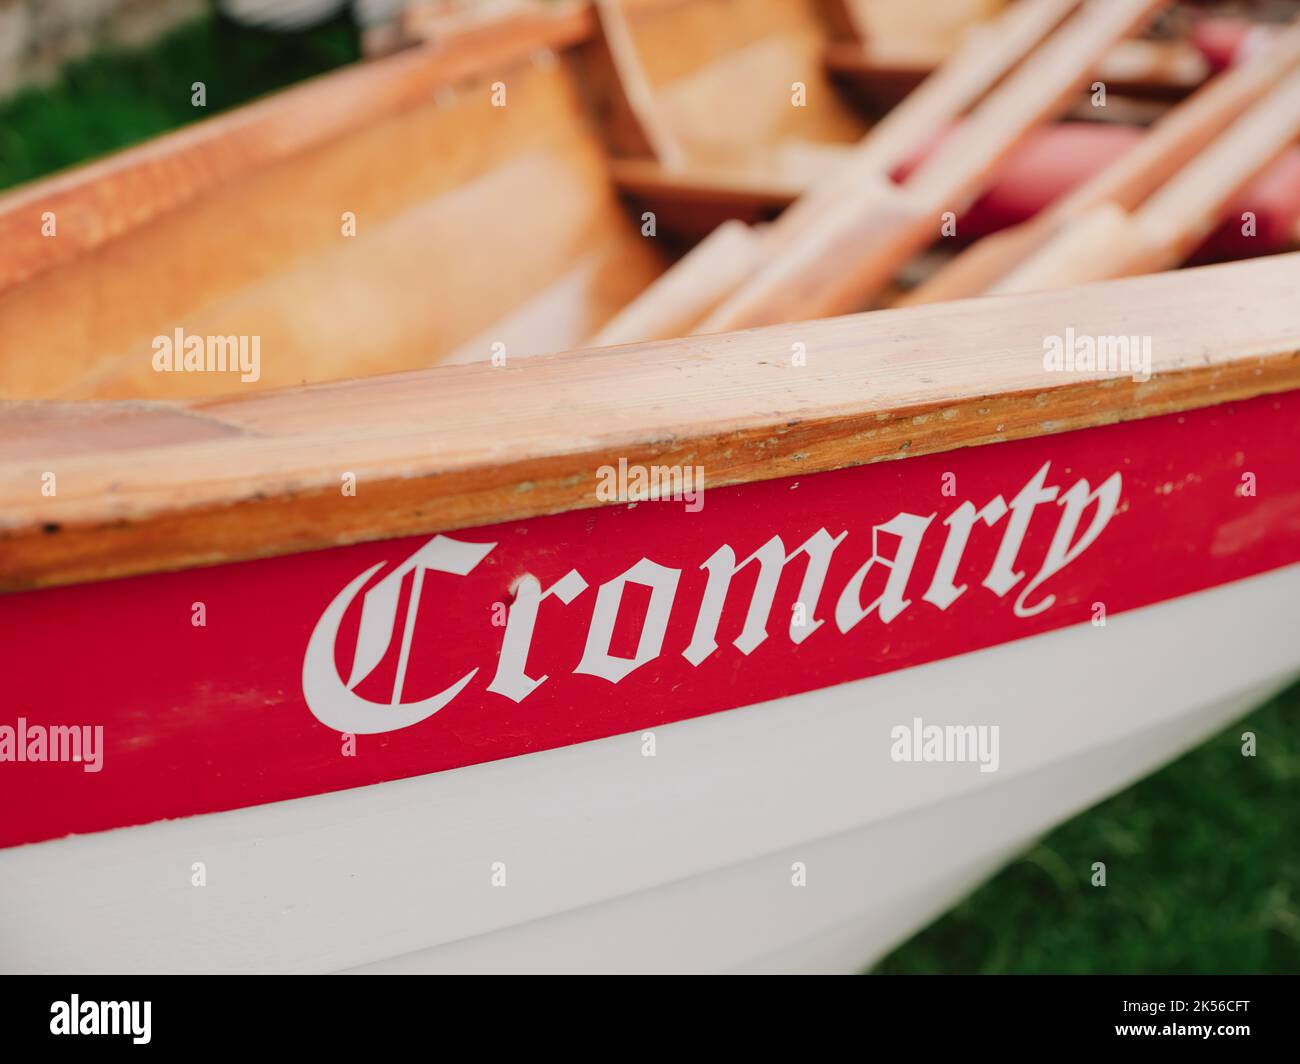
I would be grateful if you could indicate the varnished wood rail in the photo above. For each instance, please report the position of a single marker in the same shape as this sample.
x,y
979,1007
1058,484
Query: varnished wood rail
x,y
153,486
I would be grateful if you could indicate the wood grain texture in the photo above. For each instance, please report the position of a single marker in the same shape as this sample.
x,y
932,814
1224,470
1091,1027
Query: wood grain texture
x,y
714,80
100,201
143,487
445,192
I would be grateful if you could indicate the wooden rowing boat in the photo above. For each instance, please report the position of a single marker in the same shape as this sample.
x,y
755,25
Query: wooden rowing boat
x,y
626,658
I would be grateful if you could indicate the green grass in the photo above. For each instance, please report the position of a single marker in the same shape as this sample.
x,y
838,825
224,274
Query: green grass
x,y
120,97
1203,859
1202,871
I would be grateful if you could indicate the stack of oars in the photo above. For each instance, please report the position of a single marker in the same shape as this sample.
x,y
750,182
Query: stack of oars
x,y
839,247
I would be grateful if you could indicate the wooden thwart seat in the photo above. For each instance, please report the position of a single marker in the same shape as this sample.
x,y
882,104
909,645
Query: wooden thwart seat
x,y
765,180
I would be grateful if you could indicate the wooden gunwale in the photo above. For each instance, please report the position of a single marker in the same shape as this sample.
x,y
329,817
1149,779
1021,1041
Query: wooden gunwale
x,y
156,486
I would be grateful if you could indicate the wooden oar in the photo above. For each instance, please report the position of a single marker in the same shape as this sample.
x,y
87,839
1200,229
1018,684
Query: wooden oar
x,y
682,295
704,277
986,56
849,251
1170,144
1109,241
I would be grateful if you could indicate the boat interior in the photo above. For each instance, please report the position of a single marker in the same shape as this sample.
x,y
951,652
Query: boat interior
x,y
499,186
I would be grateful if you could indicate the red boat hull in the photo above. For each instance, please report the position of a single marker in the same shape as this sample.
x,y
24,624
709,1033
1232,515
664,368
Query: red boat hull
x,y
198,719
